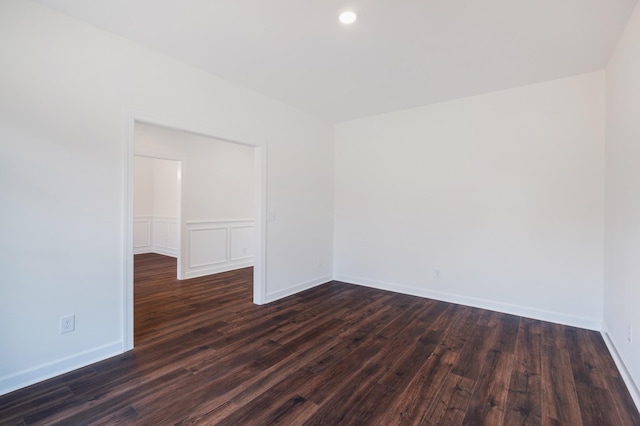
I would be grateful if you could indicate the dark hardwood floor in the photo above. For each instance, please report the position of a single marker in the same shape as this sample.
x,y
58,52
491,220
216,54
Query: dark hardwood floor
x,y
335,354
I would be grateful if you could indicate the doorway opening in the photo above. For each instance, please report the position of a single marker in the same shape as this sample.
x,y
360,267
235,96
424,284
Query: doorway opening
x,y
157,207
209,236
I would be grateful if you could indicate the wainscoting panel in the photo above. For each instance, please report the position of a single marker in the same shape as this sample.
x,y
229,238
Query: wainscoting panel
x,y
142,235
155,235
207,247
165,236
217,246
241,243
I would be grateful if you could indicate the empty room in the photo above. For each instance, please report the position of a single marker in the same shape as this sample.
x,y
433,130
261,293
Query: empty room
x,y
436,219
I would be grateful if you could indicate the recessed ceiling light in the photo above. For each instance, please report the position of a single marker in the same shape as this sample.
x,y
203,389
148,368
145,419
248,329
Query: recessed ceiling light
x,y
348,17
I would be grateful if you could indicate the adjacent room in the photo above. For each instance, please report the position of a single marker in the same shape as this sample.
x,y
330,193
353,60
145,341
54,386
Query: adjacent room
x,y
336,212
205,183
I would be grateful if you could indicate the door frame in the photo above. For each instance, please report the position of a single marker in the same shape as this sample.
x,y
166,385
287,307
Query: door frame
x,y
260,206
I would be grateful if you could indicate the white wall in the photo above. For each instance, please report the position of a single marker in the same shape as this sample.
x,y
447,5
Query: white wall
x,y
165,207
165,188
502,193
217,197
622,226
217,176
66,88
143,188
155,207
143,205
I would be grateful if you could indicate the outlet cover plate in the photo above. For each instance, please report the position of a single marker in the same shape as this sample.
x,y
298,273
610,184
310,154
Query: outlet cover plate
x,y
67,324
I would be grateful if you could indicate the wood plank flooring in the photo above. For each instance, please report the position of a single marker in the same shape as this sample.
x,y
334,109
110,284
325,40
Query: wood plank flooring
x,y
335,354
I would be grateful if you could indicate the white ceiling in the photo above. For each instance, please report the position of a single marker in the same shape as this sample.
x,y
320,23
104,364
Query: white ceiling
x,y
399,53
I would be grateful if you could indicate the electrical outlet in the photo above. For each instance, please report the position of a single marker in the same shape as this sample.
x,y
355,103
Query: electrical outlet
x,y
630,334
437,274
67,324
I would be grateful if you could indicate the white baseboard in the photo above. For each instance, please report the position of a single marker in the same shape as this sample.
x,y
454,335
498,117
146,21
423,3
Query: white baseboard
x,y
217,269
622,367
165,251
162,251
523,311
289,291
46,371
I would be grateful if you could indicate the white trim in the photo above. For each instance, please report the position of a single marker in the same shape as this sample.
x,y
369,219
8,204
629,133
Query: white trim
x,y
128,149
215,262
51,369
260,226
158,155
148,247
290,291
163,251
144,250
622,368
247,258
216,221
166,249
152,245
224,263
523,311
230,241
237,136
168,219
220,224
201,272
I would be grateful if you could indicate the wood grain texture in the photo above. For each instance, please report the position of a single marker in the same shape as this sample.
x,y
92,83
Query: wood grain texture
x,y
335,354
